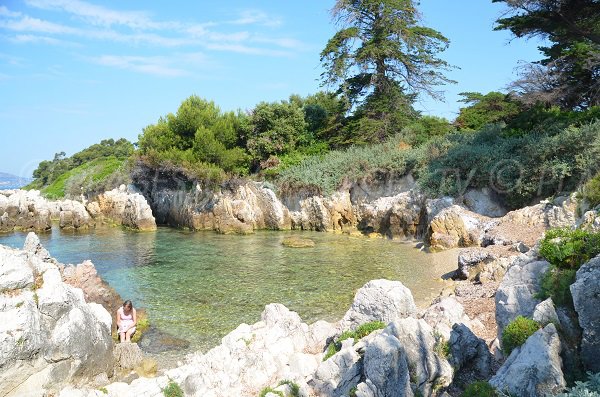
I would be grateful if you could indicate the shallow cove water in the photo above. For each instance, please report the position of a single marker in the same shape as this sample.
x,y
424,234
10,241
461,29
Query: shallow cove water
x,y
201,285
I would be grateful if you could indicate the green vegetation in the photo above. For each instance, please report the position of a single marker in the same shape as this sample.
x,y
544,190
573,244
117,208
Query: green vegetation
x,y
268,390
352,392
483,110
555,284
479,389
569,249
591,191
517,332
294,388
172,390
589,388
441,346
103,390
360,332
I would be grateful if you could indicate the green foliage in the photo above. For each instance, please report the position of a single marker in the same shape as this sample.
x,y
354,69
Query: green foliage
x,y
268,390
490,108
172,390
569,249
48,172
517,332
352,392
294,388
479,389
357,334
555,284
103,390
589,388
277,128
591,191
328,171
441,346
93,177
425,128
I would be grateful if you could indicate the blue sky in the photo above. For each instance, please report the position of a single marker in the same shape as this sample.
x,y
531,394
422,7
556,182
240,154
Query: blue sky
x,y
73,72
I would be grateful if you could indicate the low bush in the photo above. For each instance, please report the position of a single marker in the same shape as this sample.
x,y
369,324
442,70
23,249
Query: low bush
x,y
517,332
555,284
479,389
294,388
589,388
569,249
360,332
591,191
172,390
268,390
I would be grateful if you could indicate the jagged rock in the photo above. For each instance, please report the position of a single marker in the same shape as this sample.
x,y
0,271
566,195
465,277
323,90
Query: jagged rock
x,y
49,335
33,245
24,210
427,369
467,350
586,298
516,294
325,213
73,215
85,277
471,261
318,334
561,212
545,313
481,202
441,316
337,375
380,300
455,227
533,369
385,369
589,221
125,208
127,355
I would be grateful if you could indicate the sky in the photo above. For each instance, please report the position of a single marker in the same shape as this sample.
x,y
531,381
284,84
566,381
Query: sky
x,y
74,72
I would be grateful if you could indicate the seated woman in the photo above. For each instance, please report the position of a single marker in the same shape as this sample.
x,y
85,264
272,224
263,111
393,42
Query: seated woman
x,y
126,321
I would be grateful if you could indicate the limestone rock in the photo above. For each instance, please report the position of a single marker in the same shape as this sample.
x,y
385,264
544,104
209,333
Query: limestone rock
x,y
336,376
125,208
24,210
441,316
586,298
516,294
326,213
455,227
471,261
380,300
427,369
386,368
467,350
545,313
533,369
481,202
49,335
127,355
73,215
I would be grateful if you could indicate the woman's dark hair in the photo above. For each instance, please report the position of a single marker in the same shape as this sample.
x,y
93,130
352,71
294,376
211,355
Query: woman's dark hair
x,y
127,303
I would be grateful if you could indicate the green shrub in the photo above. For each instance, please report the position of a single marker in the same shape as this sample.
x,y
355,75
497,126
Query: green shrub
x,y
479,389
555,284
360,332
294,388
591,191
517,332
268,390
569,249
589,388
172,390
442,346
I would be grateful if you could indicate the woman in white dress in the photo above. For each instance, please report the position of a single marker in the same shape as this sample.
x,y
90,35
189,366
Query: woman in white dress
x,y
126,321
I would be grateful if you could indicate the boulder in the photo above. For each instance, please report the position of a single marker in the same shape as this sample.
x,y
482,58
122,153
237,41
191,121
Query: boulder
x,y
428,370
380,300
454,227
385,369
73,215
469,351
442,315
127,356
533,369
471,261
24,210
125,208
336,376
49,335
586,298
516,294
545,313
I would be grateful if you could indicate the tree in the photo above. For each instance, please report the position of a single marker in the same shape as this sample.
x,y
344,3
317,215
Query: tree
x,y
569,73
486,109
382,58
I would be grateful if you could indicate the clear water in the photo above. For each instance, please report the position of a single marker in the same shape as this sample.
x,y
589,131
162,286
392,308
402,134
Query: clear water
x,y
201,285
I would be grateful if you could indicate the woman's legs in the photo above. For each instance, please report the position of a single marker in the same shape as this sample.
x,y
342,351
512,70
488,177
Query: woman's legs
x,y
122,337
128,334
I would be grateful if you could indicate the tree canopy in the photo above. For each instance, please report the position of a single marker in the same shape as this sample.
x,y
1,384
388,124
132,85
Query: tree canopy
x,y
569,73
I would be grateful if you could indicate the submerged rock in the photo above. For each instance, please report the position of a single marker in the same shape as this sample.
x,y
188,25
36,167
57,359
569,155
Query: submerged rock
x,y
156,341
297,242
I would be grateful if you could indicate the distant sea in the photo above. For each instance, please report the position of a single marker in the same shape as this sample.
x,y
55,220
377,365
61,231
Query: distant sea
x,y
9,181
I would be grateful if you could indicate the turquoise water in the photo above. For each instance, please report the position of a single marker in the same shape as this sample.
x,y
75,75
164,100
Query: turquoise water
x,y
201,285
